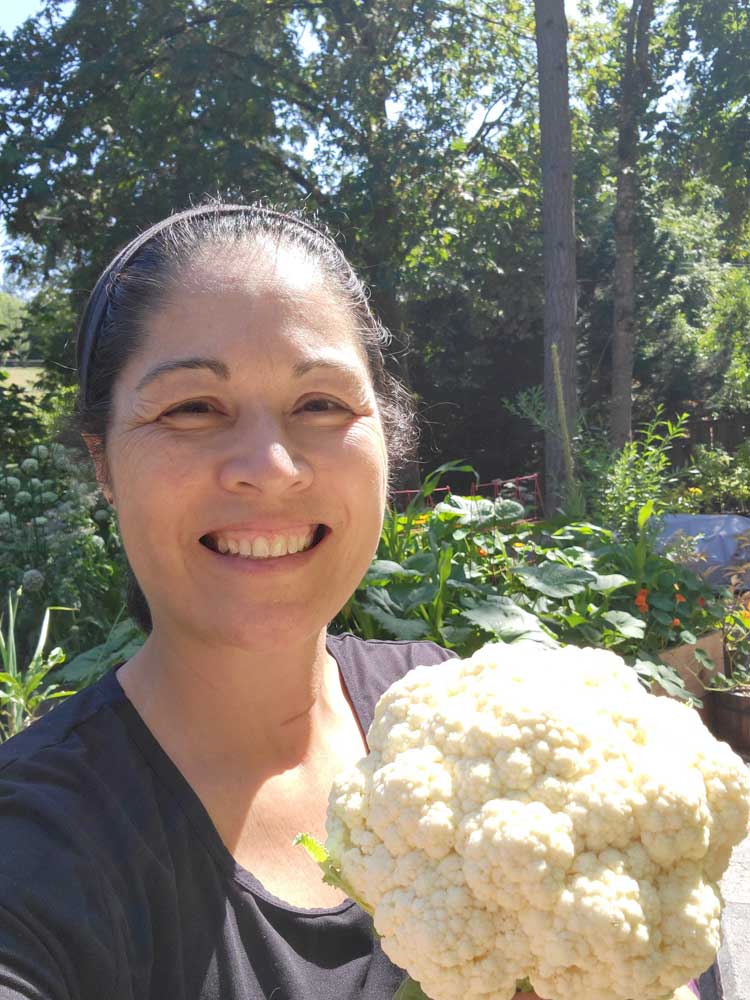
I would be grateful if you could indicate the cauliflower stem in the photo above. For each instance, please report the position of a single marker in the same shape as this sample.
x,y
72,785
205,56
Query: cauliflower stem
x,y
410,988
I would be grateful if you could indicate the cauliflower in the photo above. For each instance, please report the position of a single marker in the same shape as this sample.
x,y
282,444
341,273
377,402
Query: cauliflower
x,y
534,814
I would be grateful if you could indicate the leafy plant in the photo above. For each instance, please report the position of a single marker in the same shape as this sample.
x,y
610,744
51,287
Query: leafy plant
x,y
640,474
60,543
21,691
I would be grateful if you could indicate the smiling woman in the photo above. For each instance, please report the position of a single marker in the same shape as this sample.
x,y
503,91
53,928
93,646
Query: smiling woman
x,y
234,399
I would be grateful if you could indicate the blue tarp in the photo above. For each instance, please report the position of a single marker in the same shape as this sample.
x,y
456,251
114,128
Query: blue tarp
x,y
722,543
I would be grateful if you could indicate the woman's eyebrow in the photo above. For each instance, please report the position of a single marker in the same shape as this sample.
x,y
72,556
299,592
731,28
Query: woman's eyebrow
x,y
212,364
332,364
221,370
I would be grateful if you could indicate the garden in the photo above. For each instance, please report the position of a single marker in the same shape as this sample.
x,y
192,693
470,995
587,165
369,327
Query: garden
x,y
458,568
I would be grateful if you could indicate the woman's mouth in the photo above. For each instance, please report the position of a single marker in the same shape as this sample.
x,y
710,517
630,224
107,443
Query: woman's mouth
x,y
258,544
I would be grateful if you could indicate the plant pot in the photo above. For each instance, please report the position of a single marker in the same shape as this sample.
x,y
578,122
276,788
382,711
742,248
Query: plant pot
x,y
731,718
694,675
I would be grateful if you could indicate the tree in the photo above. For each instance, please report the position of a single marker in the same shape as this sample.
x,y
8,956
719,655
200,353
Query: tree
x,y
635,81
374,122
709,132
13,337
558,225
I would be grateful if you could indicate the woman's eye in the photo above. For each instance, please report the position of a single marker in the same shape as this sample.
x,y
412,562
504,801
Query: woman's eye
x,y
323,405
191,407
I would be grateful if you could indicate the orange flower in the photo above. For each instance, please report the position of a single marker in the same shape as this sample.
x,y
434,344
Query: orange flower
x,y
679,598
481,551
676,623
701,602
640,600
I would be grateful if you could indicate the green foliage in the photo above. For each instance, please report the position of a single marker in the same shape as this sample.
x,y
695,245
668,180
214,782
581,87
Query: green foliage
x,y
60,544
20,420
122,642
720,481
13,344
428,581
21,692
727,342
642,473
471,570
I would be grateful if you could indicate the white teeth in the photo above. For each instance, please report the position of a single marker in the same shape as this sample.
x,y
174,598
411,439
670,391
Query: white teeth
x,y
279,547
264,548
260,548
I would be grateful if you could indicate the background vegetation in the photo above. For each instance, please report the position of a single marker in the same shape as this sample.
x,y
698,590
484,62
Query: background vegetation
x,y
412,129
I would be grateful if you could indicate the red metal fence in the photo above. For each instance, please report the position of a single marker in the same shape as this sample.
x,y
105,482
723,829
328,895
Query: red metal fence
x,y
524,489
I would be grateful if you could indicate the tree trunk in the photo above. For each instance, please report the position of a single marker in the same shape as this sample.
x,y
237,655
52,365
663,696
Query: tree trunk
x,y
635,80
558,226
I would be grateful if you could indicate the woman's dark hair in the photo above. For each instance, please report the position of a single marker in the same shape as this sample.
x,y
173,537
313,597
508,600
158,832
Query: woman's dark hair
x,y
137,281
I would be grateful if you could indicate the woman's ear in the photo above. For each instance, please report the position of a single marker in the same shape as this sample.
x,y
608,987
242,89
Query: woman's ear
x,y
95,445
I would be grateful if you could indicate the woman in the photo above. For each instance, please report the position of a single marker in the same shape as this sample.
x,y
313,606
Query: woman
x,y
233,397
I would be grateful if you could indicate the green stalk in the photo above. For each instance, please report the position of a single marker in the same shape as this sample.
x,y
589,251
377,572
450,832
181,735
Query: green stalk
x,y
409,988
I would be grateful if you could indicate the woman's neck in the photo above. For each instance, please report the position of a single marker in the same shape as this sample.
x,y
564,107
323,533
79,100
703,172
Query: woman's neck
x,y
262,711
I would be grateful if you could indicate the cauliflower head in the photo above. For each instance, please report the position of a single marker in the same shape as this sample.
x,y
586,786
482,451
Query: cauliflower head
x,y
536,813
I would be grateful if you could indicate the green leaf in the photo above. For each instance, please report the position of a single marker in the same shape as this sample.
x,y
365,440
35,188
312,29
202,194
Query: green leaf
x,y
410,990
687,636
423,563
627,625
331,870
555,580
645,513
124,641
384,569
314,848
703,658
503,618
607,583
399,628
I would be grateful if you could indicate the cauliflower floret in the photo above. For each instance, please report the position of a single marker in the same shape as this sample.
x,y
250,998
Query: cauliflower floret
x,y
536,813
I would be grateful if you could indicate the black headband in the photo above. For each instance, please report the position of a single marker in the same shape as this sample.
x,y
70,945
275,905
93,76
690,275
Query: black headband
x,y
98,302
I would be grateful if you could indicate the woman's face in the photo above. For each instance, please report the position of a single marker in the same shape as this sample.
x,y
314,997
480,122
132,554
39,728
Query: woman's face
x,y
246,457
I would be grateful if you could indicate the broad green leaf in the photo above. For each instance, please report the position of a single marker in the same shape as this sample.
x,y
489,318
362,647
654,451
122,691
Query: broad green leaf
x,y
627,625
422,562
384,569
555,580
124,641
399,628
503,618
667,677
609,582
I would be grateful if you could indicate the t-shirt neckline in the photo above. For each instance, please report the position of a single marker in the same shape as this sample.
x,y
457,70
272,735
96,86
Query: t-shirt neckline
x,y
191,805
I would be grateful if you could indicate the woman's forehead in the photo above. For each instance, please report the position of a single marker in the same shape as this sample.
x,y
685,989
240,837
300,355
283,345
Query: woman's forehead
x,y
238,315
265,264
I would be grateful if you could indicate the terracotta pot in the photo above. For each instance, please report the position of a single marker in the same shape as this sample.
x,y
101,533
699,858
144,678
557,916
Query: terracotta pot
x,y
694,675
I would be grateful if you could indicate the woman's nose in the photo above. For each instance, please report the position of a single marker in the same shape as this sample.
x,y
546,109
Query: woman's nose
x,y
262,457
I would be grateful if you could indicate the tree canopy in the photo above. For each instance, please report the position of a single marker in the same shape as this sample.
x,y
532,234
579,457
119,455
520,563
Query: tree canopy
x,y
410,128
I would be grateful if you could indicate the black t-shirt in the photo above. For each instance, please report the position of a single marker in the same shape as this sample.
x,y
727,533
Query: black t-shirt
x,y
115,884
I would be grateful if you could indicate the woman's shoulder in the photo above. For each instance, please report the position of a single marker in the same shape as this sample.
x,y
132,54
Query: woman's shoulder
x,y
370,666
63,782
63,732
